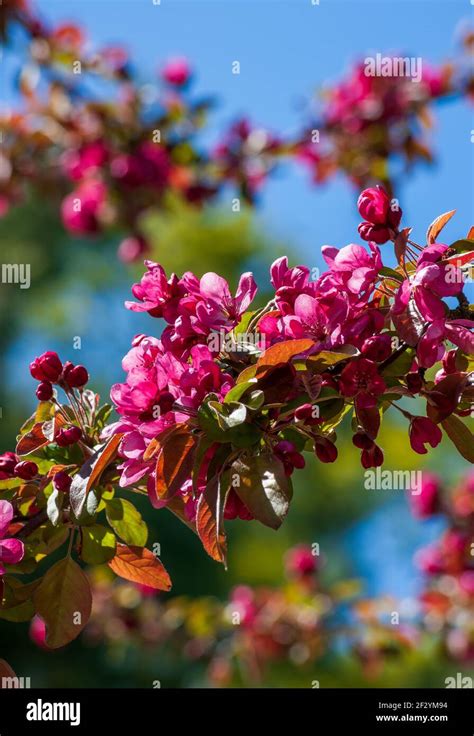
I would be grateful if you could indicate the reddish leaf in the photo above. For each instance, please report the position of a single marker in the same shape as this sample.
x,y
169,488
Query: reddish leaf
x,y
174,464
210,519
90,473
106,455
277,382
140,565
41,434
401,242
437,225
283,352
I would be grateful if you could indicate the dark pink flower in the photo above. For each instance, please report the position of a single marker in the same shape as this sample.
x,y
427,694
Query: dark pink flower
x,y
382,218
300,561
47,367
85,160
424,432
360,379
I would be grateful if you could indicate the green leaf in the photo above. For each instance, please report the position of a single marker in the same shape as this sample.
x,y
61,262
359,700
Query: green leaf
x,y
126,521
401,365
390,273
326,358
460,435
237,391
262,485
98,544
64,601
229,415
463,246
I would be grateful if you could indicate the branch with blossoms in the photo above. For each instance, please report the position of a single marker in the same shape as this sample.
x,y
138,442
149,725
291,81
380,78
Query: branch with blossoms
x,y
108,160
215,415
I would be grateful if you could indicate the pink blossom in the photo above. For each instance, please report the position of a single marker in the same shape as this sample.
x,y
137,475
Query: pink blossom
x,y
300,561
77,163
458,331
81,210
11,550
218,308
432,280
177,72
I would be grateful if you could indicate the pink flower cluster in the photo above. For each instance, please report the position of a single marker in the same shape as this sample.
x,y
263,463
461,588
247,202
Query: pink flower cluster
x,y
350,310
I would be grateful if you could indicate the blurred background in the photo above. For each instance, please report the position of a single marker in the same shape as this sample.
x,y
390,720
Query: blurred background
x,y
287,50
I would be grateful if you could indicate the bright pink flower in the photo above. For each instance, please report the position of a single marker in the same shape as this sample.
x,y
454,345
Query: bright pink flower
x,y
353,267
360,379
425,504
423,431
458,331
81,210
300,561
219,309
177,72
38,632
132,249
159,296
432,280
242,600
11,550
84,160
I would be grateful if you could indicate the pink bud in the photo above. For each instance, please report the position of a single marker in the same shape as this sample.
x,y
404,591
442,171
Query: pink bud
x,y
44,391
26,470
47,367
62,481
